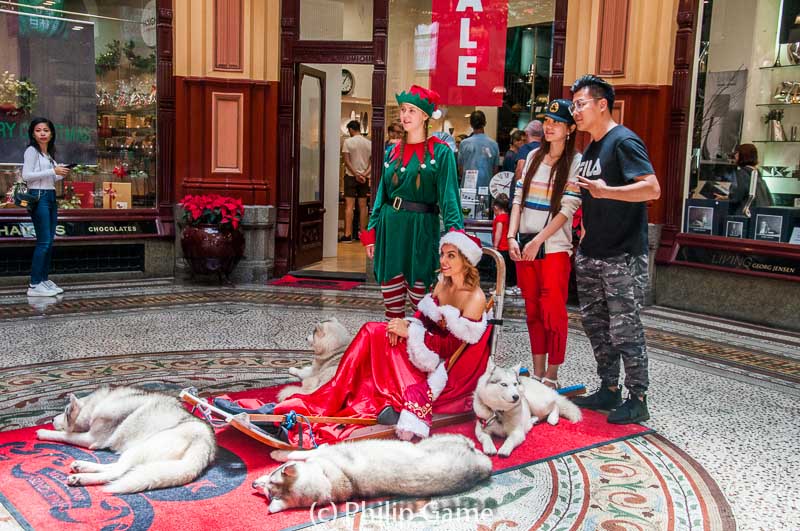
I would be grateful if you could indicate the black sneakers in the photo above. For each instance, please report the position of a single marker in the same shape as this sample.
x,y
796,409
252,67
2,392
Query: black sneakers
x,y
345,239
603,398
633,410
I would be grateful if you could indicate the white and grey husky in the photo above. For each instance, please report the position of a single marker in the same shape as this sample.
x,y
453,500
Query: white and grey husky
x,y
159,442
442,464
329,340
508,405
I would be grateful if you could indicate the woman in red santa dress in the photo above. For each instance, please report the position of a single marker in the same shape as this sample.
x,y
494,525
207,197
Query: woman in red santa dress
x,y
398,371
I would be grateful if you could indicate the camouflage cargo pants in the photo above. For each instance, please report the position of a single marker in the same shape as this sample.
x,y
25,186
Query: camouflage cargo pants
x,y
611,292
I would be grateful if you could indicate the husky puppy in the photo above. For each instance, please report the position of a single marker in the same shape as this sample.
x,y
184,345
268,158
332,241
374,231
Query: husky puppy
x,y
159,442
329,340
442,464
508,405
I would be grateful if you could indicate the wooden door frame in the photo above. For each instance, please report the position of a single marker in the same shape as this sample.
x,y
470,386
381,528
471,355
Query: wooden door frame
x,y
316,207
295,51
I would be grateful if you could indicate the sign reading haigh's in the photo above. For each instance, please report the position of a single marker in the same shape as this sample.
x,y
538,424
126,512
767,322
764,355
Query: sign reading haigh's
x,y
471,51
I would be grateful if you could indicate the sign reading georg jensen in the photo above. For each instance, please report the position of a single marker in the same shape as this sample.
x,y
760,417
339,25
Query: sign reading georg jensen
x,y
66,229
742,261
470,52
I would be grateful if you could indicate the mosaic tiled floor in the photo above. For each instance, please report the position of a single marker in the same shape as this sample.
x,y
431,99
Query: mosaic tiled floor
x,y
724,393
643,484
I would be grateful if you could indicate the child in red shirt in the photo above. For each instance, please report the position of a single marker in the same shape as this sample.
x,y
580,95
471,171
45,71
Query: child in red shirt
x,y
500,241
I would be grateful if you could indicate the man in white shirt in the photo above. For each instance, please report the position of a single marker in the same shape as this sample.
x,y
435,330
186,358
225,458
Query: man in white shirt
x,y
357,154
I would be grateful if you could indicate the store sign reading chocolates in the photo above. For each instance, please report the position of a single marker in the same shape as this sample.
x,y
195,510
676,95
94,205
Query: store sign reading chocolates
x,y
470,52
67,229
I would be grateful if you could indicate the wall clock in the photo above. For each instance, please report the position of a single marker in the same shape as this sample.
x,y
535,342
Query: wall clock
x,y
348,83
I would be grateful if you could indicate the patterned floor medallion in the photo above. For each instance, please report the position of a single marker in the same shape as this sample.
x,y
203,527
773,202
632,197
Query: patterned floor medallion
x,y
33,394
640,484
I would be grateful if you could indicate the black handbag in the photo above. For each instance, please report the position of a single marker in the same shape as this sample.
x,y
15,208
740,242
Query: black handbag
x,y
525,238
23,198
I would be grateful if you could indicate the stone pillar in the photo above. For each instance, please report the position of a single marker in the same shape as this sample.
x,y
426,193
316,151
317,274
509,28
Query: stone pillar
x,y
653,241
258,226
257,265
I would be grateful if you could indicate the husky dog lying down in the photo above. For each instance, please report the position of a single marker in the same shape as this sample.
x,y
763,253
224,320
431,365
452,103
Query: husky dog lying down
x,y
442,464
508,405
159,442
329,340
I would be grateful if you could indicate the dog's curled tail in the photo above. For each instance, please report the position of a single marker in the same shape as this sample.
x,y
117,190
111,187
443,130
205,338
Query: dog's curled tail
x,y
167,473
568,410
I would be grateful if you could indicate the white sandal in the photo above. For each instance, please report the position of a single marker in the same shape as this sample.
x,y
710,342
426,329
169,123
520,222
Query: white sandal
x,y
546,381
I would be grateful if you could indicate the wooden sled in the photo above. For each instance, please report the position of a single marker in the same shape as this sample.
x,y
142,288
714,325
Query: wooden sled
x,y
247,423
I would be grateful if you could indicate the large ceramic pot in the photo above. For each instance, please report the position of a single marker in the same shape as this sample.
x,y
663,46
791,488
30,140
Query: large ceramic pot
x,y
209,249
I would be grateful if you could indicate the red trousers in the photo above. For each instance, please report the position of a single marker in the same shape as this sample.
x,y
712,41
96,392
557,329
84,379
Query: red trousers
x,y
545,286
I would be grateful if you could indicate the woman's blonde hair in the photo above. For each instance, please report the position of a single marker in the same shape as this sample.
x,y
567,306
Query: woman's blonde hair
x,y
471,276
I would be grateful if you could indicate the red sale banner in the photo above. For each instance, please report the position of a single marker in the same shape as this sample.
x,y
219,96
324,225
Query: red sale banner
x,y
471,51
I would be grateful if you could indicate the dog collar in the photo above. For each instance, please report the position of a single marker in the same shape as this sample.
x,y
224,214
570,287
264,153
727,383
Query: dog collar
x,y
485,423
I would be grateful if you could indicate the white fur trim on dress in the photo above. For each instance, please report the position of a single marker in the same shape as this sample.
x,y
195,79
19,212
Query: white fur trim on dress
x,y
437,380
461,327
410,422
429,308
419,354
464,244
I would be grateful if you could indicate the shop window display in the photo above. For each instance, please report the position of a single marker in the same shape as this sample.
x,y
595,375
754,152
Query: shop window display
x,y
515,41
90,68
744,179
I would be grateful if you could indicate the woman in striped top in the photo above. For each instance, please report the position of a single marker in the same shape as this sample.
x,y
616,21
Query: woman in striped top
x,y
544,204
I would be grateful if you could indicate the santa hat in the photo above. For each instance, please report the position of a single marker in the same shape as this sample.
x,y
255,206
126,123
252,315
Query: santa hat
x,y
424,99
470,246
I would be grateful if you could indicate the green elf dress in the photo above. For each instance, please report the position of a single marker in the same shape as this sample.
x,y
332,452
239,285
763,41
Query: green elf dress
x,y
406,241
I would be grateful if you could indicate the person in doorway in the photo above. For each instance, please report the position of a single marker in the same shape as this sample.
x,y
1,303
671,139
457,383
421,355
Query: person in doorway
x,y
510,159
500,241
617,179
748,188
546,200
533,139
40,172
419,182
357,154
478,155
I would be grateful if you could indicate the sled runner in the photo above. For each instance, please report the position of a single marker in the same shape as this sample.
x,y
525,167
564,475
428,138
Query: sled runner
x,y
274,429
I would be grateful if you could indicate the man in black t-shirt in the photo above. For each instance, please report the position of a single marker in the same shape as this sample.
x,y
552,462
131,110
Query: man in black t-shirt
x,y
617,179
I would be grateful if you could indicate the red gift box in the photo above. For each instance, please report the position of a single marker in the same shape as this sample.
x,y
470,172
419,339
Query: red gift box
x,y
85,191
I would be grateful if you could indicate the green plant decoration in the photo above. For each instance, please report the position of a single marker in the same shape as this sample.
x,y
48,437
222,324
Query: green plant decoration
x,y
109,60
17,95
139,62
27,94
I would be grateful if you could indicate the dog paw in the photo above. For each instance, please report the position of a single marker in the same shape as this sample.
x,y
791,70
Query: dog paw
x,y
43,435
76,466
489,449
505,451
74,481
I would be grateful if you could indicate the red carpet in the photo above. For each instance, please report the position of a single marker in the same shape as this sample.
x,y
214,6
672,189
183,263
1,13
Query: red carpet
x,y
314,283
33,482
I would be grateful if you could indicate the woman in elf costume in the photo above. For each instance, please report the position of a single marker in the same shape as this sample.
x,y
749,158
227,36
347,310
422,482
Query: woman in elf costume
x,y
419,182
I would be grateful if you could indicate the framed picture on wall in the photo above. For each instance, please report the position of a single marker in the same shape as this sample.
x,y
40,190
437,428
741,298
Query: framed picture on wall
x,y
700,220
768,227
734,229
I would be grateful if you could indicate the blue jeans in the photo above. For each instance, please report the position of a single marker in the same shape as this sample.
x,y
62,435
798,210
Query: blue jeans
x,y
44,218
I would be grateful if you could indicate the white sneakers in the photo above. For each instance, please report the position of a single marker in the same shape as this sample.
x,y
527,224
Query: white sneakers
x,y
52,285
47,288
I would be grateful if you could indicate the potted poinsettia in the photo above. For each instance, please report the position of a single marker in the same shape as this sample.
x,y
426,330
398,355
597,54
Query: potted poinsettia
x,y
211,239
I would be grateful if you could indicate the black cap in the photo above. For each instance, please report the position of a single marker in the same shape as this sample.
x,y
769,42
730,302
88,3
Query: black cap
x,y
558,110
